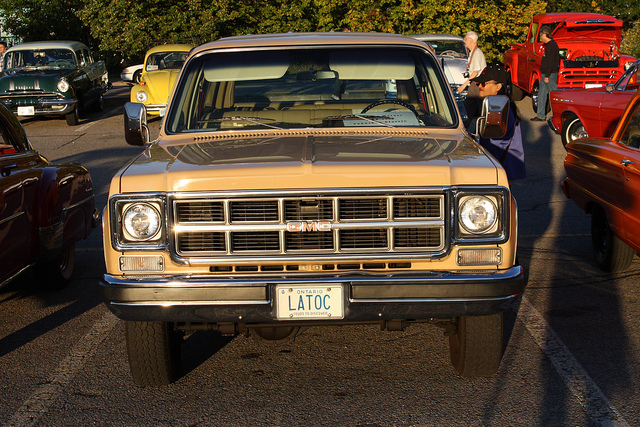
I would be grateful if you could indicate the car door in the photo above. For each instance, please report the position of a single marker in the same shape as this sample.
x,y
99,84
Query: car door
x,y
630,161
19,175
613,103
525,57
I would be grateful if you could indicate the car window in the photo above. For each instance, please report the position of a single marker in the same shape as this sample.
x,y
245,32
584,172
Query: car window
x,y
39,58
165,60
87,56
311,88
6,145
552,25
533,32
631,136
630,80
449,48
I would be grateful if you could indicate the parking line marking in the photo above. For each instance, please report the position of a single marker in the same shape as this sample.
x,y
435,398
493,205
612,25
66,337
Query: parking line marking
x,y
93,122
39,402
578,381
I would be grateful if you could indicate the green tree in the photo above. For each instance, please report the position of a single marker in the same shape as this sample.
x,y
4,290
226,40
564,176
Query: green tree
x,y
33,20
628,11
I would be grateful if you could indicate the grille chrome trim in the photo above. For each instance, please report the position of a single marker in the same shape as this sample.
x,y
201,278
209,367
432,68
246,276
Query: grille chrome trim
x,y
369,228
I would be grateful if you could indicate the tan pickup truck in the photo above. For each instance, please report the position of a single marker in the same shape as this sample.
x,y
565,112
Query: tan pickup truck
x,y
310,180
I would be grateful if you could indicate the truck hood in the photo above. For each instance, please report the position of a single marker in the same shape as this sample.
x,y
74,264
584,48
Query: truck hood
x,y
585,30
309,161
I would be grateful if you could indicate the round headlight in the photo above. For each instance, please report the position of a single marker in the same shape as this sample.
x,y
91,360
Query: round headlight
x,y
141,221
478,214
141,96
63,85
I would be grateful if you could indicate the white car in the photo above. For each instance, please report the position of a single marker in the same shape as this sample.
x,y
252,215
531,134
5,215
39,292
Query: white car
x,y
132,74
453,54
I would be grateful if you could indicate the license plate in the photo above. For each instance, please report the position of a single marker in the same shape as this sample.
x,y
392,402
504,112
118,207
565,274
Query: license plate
x,y
309,302
26,111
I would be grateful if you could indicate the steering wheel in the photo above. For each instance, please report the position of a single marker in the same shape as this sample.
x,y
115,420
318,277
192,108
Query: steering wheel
x,y
392,101
449,52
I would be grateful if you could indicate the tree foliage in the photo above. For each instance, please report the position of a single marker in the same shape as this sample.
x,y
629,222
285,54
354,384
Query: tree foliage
x,y
131,27
33,20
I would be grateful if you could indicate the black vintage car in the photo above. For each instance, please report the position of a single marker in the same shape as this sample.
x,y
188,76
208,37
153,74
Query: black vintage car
x,y
52,78
44,209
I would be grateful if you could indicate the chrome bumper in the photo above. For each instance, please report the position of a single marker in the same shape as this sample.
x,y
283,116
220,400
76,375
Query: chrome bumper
x,y
43,107
367,298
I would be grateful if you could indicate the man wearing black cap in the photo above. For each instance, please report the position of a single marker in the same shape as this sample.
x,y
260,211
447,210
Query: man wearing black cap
x,y
549,67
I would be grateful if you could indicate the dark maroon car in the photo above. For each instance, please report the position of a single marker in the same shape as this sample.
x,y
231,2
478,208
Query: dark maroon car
x,y
603,179
44,209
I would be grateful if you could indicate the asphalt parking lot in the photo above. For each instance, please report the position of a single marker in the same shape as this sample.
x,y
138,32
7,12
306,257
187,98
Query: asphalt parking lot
x,y
572,355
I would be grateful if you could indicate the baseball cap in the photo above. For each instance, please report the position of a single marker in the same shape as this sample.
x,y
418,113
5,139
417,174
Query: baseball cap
x,y
492,72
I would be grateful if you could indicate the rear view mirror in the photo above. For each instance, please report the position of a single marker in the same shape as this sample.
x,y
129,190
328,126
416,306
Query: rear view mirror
x,y
136,131
495,116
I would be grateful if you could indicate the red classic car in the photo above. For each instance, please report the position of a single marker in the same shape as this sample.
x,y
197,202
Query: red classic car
x,y
581,113
44,209
588,44
603,179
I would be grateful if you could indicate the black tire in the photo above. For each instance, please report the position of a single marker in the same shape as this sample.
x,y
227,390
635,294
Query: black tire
x,y
55,274
153,349
136,76
476,347
99,105
517,94
572,129
612,254
73,117
535,89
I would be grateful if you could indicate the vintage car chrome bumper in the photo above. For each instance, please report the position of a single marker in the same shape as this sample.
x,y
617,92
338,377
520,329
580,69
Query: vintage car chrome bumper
x,y
155,108
42,107
366,298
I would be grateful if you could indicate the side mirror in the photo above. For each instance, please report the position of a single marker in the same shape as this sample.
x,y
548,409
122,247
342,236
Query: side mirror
x,y
495,116
136,131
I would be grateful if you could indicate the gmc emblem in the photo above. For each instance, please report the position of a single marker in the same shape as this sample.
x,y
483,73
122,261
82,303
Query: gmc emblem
x,y
308,226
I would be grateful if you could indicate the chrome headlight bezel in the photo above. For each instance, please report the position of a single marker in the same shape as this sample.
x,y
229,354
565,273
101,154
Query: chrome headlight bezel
x,y
142,96
63,85
477,214
124,236
141,222
490,223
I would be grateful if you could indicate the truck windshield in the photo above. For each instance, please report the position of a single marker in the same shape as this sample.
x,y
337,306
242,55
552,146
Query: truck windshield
x,y
303,88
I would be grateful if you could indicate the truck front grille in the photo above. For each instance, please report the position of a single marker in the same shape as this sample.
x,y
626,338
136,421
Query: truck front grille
x,y
332,225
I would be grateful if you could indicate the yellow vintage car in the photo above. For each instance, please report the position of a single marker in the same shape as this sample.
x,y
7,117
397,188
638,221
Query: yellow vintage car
x,y
161,67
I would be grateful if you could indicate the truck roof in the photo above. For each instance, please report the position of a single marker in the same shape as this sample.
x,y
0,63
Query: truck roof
x,y
310,39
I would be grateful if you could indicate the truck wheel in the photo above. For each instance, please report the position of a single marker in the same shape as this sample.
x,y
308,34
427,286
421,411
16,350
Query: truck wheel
x,y
153,349
534,95
73,117
611,253
572,129
476,347
56,274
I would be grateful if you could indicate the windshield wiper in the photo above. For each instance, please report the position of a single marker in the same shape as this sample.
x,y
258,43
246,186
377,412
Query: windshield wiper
x,y
372,119
254,120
